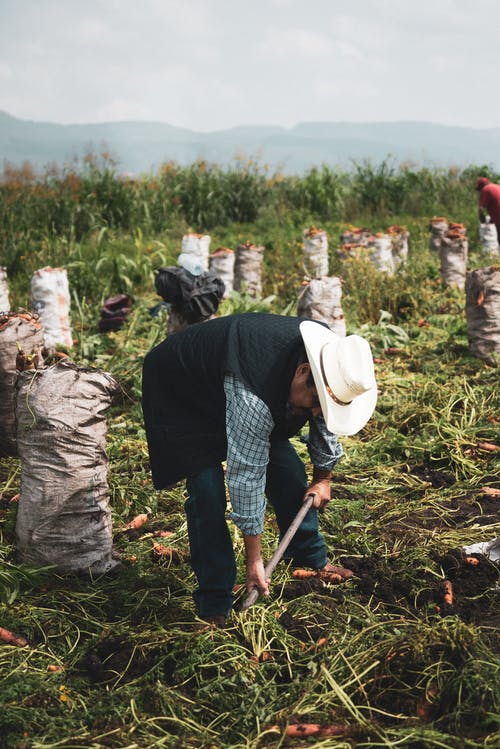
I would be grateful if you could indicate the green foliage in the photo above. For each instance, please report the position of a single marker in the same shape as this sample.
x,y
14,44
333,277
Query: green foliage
x,y
79,199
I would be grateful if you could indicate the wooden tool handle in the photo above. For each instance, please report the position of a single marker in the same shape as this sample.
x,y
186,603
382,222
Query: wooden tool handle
x,y
278,554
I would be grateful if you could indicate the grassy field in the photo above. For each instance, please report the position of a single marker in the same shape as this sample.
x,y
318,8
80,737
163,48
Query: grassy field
x,y
121,661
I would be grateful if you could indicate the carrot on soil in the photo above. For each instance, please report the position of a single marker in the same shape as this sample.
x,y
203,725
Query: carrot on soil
x,y
489,446
330,577
163,534
448,593
138,521
472,560
315,729
11,638
304,574
166,552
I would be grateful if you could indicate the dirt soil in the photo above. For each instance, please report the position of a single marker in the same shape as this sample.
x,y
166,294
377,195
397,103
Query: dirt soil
x,y
475,588
117,659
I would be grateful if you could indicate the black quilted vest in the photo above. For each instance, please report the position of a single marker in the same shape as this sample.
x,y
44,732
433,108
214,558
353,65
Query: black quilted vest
x,y
183,396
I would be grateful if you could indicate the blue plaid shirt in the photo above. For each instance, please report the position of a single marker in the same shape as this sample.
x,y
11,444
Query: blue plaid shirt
x,y
249,425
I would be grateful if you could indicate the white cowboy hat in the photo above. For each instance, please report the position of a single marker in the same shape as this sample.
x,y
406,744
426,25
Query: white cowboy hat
x,y
344,376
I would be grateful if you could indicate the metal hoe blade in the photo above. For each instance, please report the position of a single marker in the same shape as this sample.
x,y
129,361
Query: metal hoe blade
x,y
278,554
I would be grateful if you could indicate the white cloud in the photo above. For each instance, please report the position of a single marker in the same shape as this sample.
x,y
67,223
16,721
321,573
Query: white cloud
x,y
6,71
294,43
95,31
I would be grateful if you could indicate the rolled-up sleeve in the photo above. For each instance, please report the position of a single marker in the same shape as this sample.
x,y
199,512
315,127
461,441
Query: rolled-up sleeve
x,y
324,448
248,426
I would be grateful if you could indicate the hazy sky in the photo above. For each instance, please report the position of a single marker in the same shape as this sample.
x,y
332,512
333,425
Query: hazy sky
x,y
212,64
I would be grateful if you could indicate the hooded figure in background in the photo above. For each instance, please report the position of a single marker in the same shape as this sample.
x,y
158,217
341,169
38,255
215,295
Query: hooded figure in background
x,y
236,388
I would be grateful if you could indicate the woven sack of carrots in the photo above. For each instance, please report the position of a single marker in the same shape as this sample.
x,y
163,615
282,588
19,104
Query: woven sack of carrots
x,y
63,516
438,228
21,337
50,299
222,264
315,252
320,300
482,310
488,238
453,255
381,253
4,291
248,269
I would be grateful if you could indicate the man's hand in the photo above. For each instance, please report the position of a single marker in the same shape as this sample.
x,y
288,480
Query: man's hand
x,y
256,577
320,489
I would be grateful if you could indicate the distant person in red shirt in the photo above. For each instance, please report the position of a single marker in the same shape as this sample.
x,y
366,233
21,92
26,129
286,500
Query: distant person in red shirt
x,y
489,202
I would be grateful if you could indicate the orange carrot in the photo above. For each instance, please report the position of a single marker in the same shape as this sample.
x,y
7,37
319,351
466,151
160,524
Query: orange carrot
x,y
330,577
448,593
321,641
488,446
54,668
472,560
163,534
11,638
425,703
303,729
304,574
327,577
166,552
137,522
315,729
490,491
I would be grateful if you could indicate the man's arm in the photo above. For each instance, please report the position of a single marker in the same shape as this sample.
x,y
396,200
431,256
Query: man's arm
x,y
324,451
256,577
248,426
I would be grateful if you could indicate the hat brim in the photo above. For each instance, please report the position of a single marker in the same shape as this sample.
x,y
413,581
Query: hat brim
x,y
344,420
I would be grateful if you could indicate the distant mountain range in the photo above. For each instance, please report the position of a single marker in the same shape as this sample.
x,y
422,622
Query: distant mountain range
x,y
141,147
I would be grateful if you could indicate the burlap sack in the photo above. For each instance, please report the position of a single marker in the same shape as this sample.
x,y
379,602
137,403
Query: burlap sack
x,y
248,269
438,228
315,252
453,255
488,238
4,291
222,264
64,517
21,336
482,310
400,240
194,253
50,299
381,256
320,300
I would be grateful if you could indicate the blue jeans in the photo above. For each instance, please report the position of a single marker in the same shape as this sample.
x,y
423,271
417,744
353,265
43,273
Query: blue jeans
x,y
212,554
